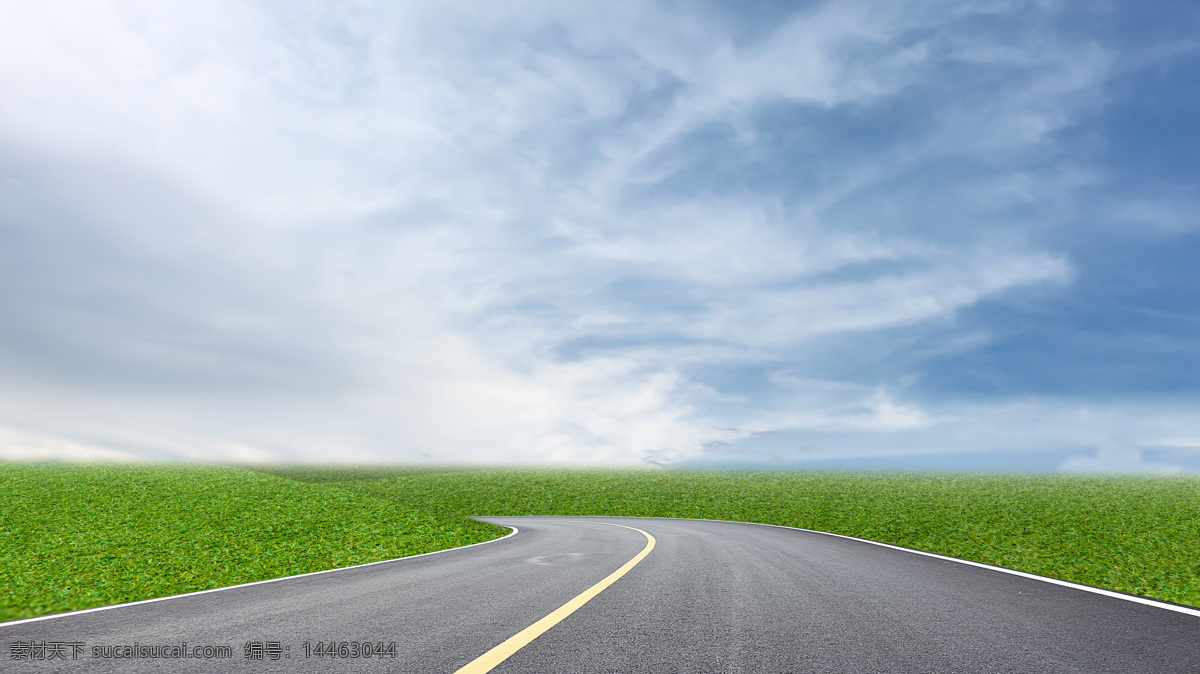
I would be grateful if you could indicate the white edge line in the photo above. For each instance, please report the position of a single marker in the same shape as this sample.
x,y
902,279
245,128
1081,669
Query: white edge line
x,y
257,582
1024,574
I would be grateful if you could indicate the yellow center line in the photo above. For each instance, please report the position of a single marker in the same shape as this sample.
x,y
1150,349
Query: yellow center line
x,y
516,642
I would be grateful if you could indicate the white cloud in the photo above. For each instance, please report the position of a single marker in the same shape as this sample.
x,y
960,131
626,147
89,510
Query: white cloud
x,y
1116,456
837,423
389,231
19,446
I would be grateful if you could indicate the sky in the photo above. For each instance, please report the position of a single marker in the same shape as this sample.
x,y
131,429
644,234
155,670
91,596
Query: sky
x,y
902,235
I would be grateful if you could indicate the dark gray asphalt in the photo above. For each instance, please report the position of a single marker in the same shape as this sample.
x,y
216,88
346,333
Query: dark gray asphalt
x,y
711,597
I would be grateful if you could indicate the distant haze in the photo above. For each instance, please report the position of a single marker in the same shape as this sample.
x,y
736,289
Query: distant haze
x,y
902,234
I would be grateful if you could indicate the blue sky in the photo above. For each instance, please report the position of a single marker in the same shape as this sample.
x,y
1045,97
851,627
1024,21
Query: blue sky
x,y
904,235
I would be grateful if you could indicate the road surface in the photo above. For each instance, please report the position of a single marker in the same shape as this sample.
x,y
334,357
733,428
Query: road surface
x,y
681,596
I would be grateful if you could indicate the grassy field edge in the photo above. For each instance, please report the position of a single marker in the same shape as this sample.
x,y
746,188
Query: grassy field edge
x,y
74,536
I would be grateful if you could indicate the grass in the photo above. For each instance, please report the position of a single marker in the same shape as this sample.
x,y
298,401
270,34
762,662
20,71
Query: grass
x,y
74,537
78,536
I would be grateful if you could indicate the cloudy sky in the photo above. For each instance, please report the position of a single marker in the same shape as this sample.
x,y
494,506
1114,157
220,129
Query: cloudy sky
x,y
903,234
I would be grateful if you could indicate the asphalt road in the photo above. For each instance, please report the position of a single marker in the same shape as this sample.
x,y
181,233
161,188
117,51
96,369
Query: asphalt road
x,y
709,597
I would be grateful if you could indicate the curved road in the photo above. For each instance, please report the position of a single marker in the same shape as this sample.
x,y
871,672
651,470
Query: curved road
x,y
708,597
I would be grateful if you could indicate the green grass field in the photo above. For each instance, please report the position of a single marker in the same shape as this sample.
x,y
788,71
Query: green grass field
x,y
78,536
75,537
